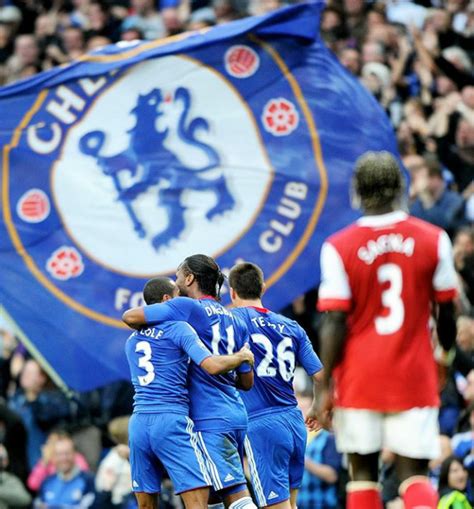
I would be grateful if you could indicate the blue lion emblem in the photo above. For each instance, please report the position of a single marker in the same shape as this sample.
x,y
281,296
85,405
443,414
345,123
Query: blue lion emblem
x,y
161,166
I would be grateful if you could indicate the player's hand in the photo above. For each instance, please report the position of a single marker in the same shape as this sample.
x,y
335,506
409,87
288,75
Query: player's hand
x,y
324,407
247,354
312,421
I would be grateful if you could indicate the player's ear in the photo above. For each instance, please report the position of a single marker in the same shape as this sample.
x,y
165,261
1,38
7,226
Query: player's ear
x,y
233,294
166,297
189,279
355,199
264,288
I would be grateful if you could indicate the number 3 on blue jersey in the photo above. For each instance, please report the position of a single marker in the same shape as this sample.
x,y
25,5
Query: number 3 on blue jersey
x,y
144,363
285,357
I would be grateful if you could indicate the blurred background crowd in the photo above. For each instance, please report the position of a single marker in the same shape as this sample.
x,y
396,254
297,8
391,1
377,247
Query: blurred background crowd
x,y
416,58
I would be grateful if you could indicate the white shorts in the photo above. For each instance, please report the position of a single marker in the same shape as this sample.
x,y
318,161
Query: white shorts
x,y
412,433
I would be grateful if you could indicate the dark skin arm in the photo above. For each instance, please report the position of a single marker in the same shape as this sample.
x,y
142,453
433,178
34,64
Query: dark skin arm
x,y
134,317
244,381
333,335
446,325
218,364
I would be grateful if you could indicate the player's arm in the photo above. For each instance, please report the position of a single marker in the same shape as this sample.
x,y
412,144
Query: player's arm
x,y
134,317
333,334
218,364
178,309
335,298
213,364
307,357
244,374
446,325
312,417
445,290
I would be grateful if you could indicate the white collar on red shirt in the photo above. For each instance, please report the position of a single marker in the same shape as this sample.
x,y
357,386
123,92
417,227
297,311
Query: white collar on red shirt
x,y
383,219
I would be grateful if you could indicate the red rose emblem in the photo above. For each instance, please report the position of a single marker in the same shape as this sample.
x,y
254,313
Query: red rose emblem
x,y
65,263
280,117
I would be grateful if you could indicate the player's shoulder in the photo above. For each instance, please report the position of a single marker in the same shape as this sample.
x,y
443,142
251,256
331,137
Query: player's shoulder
x,y
185,302
239,321
241,314
398,220
132,335
179,328
190,307
292,325
423,227
342,236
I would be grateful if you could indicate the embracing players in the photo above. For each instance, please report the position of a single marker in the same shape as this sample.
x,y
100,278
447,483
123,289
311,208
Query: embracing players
x,y
276,436
216,408
161,432
379,278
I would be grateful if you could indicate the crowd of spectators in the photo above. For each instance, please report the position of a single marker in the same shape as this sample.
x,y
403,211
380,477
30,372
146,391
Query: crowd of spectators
x,y
416,58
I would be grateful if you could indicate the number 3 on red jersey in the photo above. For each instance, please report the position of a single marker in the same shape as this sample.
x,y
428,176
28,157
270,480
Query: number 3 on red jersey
x,y
391,299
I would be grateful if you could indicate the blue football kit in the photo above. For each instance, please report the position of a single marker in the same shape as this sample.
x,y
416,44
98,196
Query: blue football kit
x,y
276,435
216,407
161,434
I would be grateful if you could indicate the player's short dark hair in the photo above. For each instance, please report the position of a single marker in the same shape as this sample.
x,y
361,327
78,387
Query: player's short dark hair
x,y
207,273
156,288
378,180
247,280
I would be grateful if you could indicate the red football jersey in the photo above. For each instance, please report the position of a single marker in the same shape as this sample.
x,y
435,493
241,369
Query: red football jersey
x,y
384,271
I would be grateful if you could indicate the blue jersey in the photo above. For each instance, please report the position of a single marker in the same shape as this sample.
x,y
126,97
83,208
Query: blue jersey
x,y
277,343
76,492
215,403
158,358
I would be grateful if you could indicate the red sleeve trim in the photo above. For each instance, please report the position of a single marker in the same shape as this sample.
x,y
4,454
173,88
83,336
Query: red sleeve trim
x,y
445,295
334,305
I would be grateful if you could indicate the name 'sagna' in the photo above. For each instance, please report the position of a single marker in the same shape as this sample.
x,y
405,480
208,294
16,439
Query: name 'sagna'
x,y
391,243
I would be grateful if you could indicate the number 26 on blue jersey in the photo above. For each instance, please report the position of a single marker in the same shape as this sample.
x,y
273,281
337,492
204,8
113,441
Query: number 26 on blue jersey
x,y
285,358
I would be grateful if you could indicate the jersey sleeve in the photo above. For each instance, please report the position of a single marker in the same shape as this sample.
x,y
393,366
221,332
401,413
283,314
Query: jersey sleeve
x,y
445,279
242,336
190,342
334,291
178,309
306,356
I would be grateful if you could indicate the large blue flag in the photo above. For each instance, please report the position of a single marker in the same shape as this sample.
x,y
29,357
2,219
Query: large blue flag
x,y
238,142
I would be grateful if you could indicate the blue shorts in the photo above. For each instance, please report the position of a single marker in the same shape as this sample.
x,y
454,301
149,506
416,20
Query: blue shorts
x,y
275,448
165,441
223,453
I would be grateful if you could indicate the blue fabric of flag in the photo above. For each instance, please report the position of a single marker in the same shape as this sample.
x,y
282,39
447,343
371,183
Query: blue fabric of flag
x,y
237,141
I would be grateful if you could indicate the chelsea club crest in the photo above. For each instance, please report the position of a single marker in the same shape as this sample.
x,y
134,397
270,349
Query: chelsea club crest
x,y
116,178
